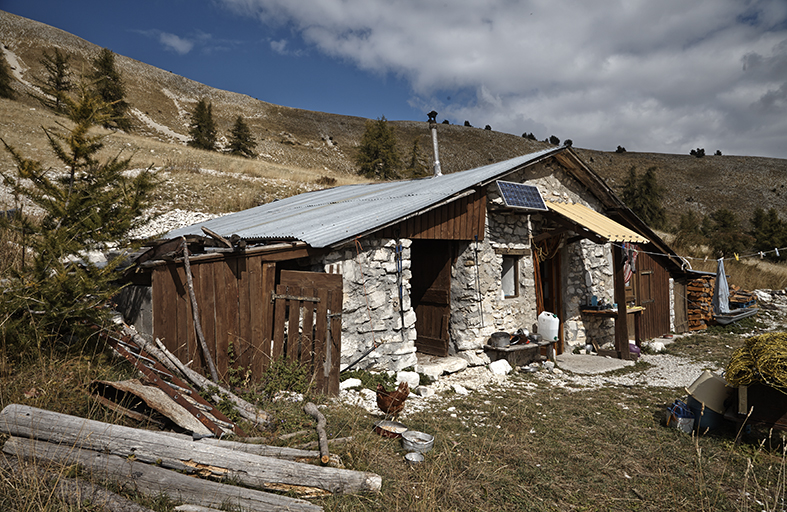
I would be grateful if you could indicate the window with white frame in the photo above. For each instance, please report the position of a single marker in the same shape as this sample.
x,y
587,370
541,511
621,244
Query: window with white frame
x,y
510,276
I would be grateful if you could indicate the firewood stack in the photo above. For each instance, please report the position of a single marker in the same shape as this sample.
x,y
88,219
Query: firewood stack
x,y
740,298
700,295
700,302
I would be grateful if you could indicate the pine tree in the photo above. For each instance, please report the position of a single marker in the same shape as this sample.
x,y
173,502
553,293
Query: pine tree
x,y
643,196
630,189
203,127
61,294
689,232
110,87
57,82
769,232
5,78
724,233
241,142
416,167
377,155
650,194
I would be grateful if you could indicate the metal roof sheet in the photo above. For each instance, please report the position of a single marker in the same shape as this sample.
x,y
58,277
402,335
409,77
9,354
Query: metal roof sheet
x,y
327,217
596,222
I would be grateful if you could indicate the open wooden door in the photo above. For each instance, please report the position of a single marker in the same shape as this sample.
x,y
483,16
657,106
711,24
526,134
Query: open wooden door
x,y
431,294
552,288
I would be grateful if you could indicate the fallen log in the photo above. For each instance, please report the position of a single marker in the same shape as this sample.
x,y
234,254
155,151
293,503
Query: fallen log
x,y
155,480
71,490
156,448
314,444
173,364
315,413
279,452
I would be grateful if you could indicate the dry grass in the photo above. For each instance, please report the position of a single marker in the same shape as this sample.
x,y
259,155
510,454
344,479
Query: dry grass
x,y
526,446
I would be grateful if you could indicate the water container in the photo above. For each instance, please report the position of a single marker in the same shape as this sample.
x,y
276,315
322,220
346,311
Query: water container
x,y
548,325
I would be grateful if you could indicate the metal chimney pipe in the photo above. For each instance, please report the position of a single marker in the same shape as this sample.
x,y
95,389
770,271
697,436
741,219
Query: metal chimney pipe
x,y
433,126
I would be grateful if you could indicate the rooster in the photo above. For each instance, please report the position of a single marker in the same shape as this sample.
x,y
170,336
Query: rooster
x,y
392,403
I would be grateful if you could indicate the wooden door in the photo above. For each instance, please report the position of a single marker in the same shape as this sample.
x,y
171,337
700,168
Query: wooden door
x,y
431,294
307,324
551,292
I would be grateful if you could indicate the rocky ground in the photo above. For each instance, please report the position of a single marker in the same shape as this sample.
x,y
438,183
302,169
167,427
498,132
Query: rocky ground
x,y
571,372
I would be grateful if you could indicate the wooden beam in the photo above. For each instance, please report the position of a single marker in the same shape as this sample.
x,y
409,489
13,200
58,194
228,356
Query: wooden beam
x,y
621,323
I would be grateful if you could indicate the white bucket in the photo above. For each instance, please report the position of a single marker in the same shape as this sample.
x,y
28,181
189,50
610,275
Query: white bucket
x,y
548,325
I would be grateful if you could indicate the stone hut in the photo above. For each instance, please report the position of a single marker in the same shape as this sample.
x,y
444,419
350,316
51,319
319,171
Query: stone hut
x,y
434,266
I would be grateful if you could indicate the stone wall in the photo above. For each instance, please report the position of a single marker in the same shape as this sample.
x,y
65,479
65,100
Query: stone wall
x,y
588,272
371,310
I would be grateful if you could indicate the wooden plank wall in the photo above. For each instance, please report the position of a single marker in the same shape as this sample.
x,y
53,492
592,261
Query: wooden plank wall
x,y
233,296
462,219
238,317
656,317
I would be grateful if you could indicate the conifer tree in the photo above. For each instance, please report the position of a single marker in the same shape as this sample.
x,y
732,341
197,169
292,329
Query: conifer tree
x,y
5,78
769,232
203,127
643,196
689,232
241,141
724,233
110,87
57,82
61,293
377,155
416,167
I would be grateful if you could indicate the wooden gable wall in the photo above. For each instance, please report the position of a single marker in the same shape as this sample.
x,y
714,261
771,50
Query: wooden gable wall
x,y
461,219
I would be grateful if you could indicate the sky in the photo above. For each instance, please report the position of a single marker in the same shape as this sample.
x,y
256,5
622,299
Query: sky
x,y
664,76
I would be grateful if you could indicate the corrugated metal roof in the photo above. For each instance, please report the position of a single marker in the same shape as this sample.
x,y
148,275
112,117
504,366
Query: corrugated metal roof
x,y
326,217
596,222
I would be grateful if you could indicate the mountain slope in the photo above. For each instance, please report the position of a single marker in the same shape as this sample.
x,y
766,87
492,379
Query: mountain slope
x,y
305,145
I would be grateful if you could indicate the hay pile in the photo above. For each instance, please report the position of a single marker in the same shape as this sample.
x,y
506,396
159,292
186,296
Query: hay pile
x,y
762,359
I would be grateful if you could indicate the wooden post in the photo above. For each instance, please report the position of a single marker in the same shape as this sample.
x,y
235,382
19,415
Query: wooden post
x,y
621,324
195,312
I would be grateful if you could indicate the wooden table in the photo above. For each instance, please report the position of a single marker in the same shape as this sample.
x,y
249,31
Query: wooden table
x,y
613,313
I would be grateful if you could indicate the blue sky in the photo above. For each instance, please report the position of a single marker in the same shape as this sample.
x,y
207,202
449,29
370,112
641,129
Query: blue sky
x,y
666,76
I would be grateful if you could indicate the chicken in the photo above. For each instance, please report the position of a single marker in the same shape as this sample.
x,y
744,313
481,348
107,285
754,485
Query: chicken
x,y
392,403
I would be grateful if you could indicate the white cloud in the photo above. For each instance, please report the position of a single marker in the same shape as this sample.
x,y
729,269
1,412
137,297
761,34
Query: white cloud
x,y
282,48
663,76
177,44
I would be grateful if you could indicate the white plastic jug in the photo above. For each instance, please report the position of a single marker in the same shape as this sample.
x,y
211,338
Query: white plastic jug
x,y
548,325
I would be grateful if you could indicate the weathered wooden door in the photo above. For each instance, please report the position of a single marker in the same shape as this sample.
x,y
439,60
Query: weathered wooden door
x,y
431,294
552,292
308,324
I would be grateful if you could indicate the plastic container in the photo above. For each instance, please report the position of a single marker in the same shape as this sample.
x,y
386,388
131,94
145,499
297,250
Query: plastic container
x,y
548,325
681,417
705,418
711,390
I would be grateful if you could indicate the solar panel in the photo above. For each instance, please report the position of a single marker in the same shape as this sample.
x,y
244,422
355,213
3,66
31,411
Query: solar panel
x,y
517,195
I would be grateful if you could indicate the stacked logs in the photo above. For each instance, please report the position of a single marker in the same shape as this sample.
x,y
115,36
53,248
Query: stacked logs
x,y
700,302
